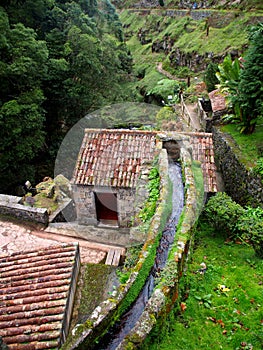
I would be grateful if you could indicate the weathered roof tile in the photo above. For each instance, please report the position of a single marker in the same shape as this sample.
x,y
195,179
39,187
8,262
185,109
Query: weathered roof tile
x,y
34,296
218,101
113,157
203,151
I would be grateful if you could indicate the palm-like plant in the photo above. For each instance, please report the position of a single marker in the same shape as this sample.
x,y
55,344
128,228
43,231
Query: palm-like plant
x,y
242,81
228,76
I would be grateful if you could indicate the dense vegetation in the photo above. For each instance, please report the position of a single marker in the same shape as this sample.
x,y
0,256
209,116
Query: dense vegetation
x,y
218,4
59,60
242,82
183,46
62,59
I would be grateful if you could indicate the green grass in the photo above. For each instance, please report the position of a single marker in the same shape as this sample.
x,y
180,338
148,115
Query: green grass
x,y
214,319
218,41
251,146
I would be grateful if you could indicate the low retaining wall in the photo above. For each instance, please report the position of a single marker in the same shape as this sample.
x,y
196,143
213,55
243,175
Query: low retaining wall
x,y
240,182
9,206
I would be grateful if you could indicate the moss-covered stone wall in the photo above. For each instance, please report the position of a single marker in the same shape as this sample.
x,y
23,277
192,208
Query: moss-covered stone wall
x,y
241,183
166,292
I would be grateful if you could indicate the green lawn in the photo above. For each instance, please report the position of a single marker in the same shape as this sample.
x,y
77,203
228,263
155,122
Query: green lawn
x,y
209,318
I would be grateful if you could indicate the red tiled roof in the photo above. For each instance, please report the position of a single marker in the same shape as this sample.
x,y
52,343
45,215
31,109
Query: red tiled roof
x,y
111,157
218,101
203,151
36,290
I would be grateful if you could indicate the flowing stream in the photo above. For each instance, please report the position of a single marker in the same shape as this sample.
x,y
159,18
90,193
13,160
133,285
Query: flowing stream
x,y
122,328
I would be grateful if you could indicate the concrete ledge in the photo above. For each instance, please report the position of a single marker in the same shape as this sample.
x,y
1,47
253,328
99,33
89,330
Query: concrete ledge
x,y
39,215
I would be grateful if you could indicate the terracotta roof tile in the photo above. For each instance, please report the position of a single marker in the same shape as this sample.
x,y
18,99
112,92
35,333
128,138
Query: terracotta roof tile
x,y
34,296
203,151
218,101
110,157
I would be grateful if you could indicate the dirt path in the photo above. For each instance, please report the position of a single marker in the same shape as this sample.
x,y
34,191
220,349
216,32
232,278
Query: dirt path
x,y
159,67
195,122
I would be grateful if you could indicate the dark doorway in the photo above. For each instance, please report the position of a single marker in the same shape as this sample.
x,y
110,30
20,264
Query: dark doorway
x,y
106,208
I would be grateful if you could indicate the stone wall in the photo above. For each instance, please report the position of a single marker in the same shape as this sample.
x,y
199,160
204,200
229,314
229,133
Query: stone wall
x,y
9,206
240,183
126,208
86,208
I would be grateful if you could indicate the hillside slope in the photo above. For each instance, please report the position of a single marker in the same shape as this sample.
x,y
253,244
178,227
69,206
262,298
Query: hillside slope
x,y
185,41
218,4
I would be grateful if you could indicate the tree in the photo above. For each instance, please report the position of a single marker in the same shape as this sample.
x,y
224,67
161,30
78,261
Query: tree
x,y
59,60
22,137
228,76
250,86
210,78
242,80
23,63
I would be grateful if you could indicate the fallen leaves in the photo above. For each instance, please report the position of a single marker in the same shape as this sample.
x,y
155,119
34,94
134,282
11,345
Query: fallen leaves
x,y
214,320
183,307
236,324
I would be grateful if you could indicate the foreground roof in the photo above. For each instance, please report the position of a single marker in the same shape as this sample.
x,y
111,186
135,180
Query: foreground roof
x,y
36,296
110,157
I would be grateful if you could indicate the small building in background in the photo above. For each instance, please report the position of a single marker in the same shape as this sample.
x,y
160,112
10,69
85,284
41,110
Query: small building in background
x,y
218,103
212,109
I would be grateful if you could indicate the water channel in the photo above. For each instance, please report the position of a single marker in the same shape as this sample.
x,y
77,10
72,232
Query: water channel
x,y
122,328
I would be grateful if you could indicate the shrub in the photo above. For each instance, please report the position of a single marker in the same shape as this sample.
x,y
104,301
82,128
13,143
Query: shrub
x,y
245,223
222,213
250,225
154,187
258,169
210,78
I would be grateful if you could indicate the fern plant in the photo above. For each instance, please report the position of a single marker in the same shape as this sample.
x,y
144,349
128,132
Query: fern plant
x,y
258,169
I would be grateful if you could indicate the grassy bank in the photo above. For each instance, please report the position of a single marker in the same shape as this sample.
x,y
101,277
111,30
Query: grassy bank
x,y
210,318
251,146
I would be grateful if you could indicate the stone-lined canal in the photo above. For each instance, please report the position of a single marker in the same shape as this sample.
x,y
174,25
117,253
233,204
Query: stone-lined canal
x,y
122,328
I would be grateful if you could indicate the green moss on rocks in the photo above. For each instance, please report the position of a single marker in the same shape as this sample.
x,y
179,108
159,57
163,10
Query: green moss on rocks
x,y
92,292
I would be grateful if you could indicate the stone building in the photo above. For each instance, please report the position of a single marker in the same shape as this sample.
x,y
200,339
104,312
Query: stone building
x,y
107,173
